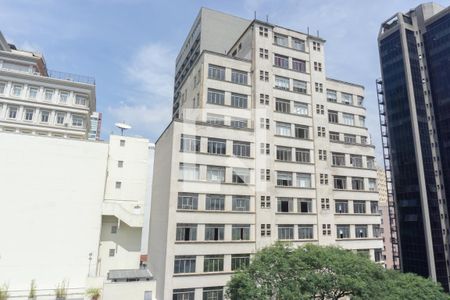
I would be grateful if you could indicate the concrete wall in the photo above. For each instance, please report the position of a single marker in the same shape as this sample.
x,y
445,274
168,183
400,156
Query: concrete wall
x,y
51,202
129,290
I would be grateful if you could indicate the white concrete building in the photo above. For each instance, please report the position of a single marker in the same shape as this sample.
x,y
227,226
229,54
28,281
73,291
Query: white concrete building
x,y
71,210
263,147
39,101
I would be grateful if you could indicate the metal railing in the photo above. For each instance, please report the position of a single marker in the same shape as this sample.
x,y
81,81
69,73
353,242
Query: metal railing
x,y
71,77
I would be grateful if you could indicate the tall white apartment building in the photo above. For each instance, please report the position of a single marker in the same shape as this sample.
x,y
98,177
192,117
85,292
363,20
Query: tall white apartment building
x,y
36,100
262,147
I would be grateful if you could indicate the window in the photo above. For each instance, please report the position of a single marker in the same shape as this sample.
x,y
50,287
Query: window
x,y
322,154
122,143
183,294
359,207
264,99
241,175
300,108
263,53
338,159
299,65
298,44
60,118
63,96
120,164
239,77
214,293
281,40
48,94
299,86
216,97
241,203
331,96
45,116
372,184
184,264
360,100
357,183
265,174
341,206
264,75
349,139
343,231
77,121
285,232
347,98
239,261
118,184
2,87
303,180
241,149
283,129
316,46
374,207
349,119
317,66
215,202
216,72
186,232
334,136
363,140
362,121
189,171
240,232
304,205
320,109
12,112
214,232
305,232
239,100
340,182
80,100
285,205
333,116
361,231
324,179
376,230
282,105
213,263
187,201
112,252
28,116
282,82
302,155
263,31
356,161
370,162
265,201
265,123
301,132
378,255
215,119
264,148
114,229
17,90
215,174
284,153
265,230
32,92
319,87
217,146
284,178
321,131
281,61
238,123
190,143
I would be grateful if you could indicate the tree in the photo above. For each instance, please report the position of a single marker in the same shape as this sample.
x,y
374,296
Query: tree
x,y
281,272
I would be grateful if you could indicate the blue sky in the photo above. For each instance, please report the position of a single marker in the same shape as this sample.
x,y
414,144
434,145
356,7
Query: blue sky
x,y
130,46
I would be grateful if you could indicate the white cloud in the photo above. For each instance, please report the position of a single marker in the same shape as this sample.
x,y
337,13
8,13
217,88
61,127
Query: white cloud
x,y
148,82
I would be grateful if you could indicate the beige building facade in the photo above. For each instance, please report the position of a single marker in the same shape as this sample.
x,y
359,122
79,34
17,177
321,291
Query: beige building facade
x,y
263,147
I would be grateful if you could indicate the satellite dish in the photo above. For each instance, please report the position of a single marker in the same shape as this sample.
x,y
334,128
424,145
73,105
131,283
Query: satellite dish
x,y
122,127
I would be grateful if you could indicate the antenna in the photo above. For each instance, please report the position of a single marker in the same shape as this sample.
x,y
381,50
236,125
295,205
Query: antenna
x,y
254,12
307,30
317,33
122,127
267,18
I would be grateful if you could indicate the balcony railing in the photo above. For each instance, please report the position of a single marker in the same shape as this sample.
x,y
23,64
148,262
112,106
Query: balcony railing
x,y
71,77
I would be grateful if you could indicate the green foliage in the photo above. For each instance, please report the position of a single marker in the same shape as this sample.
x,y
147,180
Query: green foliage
x,y
313,272
32,293
61,290
93,293
4,292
